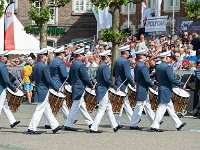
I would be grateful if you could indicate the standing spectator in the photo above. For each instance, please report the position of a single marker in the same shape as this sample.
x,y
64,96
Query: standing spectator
x,y
28,86
196,44
132,48
178,62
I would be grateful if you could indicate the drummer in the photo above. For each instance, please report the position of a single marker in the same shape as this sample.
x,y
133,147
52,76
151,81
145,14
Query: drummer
x,y
142,79
43,81
103,83
5,83
58,71
79,79
122,72
165,78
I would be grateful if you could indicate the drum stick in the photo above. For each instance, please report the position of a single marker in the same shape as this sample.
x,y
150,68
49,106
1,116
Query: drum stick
x,y
20,84
187,81
94,86
63,84
121,85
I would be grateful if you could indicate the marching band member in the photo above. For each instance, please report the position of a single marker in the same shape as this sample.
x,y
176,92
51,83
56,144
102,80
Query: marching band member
x,y
58,71
103,83
122,72
78,78
142,79
43,81
165,78
4,83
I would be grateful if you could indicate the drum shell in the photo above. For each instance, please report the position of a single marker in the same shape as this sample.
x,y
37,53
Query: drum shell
x,y
55,103
153,100
68,98
179,102
14,101
90,101
131,97
116,101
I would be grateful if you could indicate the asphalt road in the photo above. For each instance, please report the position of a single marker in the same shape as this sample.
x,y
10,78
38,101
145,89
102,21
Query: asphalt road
x,y
18,139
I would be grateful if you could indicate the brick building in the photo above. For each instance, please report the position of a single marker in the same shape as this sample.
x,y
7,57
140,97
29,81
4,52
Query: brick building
x,y
76,21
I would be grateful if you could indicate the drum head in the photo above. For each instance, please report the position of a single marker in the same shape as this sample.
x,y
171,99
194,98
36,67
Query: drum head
x,y
68,88
181,92
18,93
58,94
119,93
89,90
153,91
130,87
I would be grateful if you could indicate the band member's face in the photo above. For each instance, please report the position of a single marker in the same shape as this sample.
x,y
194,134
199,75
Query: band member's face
x,y
5,59
127,54
108,59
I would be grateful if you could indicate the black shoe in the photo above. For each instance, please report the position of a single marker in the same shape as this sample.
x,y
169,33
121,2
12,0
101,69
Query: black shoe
x,y
14,124
75,121
181,126
92,131
47,127
135,128
69,129
161,122
57,129
90,126
33,132
156,130
116,128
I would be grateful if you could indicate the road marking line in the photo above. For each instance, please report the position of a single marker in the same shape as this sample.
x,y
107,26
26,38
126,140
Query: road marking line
x,y
195,131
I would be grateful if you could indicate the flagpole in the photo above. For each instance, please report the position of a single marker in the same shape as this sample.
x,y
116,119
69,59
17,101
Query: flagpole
x,y
128,15
142,17
173,17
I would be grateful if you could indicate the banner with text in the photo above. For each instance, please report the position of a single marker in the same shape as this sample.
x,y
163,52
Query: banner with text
x,y
156,24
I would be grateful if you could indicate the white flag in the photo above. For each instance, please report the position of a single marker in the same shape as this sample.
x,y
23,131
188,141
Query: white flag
x,y
103,17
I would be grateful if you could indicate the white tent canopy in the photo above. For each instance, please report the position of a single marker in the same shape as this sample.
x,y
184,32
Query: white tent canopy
x,y
24,43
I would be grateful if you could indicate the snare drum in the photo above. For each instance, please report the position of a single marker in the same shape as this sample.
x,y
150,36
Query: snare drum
x,y
90,99
153,97
56,100
116,100
131,96
180,99
68,93
14,99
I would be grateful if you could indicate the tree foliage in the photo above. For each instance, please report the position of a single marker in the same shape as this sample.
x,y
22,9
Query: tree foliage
x,y
192,10
1,8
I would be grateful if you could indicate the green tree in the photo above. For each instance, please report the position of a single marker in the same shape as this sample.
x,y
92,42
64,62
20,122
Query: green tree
x,y
113,34
42,16
1,8
192,10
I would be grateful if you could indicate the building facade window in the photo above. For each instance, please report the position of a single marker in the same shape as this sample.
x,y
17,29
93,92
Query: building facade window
x,y
168,5
132,8
54,11
82,6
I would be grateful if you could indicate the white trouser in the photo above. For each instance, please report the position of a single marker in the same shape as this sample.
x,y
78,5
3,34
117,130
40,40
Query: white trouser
x,y
104,105
4,106
64,110
127,108
76,105
140,105
160,113
41,108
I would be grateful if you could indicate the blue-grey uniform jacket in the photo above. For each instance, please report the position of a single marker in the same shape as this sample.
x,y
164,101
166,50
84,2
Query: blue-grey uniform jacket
x,y
143,81
43,81
165,78
121,72
103,81
58,71
78,78
4,78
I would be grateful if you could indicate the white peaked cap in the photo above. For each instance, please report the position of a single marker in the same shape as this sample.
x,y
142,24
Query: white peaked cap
x,y
105,53
60,50
124,48
79,51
